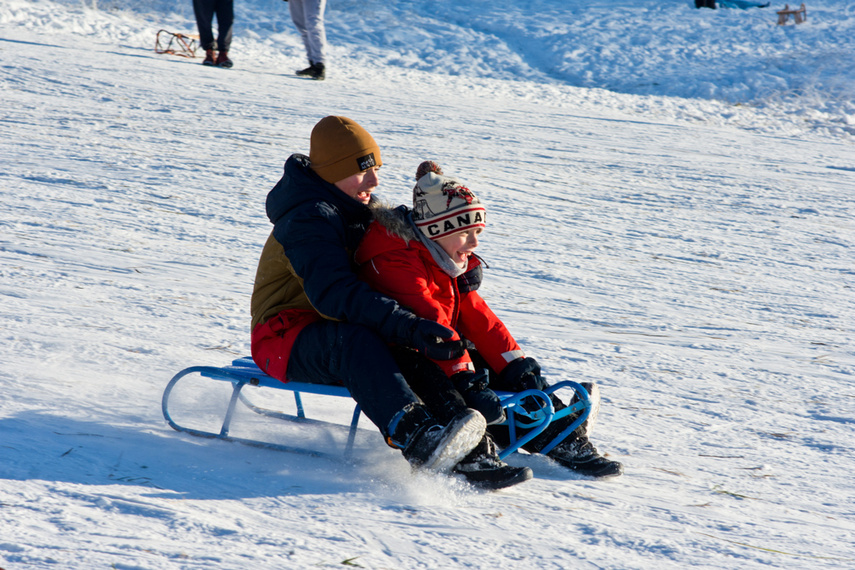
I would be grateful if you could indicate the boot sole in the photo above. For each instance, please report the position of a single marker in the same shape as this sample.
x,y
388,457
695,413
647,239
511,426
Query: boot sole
x,y
521,476
461,437
605,472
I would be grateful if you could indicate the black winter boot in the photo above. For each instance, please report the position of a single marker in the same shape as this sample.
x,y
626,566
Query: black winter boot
x,y
210,57
314,71
580,455
484,470
427,444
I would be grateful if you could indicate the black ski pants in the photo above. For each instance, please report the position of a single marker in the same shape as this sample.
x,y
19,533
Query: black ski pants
x,y
205,10
429,383
331,352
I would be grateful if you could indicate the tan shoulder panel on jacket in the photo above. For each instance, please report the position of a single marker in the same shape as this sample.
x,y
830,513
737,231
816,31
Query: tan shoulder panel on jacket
x,y
277,286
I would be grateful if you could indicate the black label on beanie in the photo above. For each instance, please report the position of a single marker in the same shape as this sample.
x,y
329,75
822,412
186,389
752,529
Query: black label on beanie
x,y
366,162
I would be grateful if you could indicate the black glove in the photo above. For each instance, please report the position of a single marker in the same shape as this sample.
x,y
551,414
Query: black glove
x,y
469,380
473,387
426,337
522,374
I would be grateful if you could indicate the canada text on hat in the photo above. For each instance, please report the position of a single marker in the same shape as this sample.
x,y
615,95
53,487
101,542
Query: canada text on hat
x,y
442,205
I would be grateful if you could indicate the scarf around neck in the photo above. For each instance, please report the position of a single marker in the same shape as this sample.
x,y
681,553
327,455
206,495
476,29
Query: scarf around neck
x,y
442,259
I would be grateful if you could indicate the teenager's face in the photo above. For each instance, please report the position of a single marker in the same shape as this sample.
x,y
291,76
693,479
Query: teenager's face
x,y
360,185
460,245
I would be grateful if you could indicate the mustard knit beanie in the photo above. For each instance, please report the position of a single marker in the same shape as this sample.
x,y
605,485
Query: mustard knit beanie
x,y
340,148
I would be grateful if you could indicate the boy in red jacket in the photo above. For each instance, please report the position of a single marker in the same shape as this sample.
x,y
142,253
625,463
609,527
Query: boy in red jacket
x,y
424,259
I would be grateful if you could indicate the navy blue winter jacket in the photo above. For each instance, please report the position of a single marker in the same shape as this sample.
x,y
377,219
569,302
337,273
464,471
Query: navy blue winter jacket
x,y
318,228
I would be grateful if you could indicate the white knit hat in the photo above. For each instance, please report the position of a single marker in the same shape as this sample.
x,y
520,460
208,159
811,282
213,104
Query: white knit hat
x,y
442,205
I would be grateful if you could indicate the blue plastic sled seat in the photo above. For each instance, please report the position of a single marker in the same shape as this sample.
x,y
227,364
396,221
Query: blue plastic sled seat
x,y
244,373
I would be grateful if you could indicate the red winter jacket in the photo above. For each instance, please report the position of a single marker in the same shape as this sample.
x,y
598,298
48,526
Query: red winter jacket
x,y
393,261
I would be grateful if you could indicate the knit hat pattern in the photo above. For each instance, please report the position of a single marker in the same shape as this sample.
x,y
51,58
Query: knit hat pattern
x,y
340,147
443,205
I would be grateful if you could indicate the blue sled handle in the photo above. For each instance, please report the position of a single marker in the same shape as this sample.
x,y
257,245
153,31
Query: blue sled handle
x,y
537,421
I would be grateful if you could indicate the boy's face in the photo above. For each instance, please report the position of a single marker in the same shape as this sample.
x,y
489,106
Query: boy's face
x,y
460,245
360,185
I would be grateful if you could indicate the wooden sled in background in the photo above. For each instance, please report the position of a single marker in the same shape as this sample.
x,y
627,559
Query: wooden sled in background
x,y
243,374
176,44
799,15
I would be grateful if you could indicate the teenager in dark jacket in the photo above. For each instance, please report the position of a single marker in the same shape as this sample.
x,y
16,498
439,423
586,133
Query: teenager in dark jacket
x,y
424,259
314,321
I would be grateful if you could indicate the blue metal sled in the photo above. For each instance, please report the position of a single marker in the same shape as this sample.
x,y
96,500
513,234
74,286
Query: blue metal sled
x,y
243,372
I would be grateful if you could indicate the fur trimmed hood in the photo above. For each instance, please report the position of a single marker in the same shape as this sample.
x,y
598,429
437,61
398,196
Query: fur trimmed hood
x,y
394,219
392,229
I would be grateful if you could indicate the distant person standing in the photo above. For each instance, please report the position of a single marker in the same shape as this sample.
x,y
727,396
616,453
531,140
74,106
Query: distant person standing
x,y
225,12
308,17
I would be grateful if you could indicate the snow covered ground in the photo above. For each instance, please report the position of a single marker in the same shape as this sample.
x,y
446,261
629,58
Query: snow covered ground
x,y
671,195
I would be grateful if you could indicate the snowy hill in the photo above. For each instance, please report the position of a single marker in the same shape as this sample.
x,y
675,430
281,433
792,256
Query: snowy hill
x,y
671,196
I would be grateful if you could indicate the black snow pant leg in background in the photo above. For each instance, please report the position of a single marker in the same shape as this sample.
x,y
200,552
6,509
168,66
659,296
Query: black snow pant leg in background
x,y
225,20
329,352
205,10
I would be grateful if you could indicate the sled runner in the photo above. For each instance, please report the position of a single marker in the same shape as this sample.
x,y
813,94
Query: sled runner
x,y
243,372
176,44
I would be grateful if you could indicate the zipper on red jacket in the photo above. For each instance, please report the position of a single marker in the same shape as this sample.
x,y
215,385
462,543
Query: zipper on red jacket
x,y
456,310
